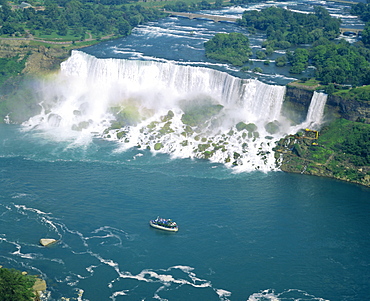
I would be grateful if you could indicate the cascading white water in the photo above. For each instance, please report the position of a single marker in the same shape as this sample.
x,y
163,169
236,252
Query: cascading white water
x,y
164,85
316,110
181,110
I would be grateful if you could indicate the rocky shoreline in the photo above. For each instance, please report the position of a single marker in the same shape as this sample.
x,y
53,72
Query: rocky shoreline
x,y
297,154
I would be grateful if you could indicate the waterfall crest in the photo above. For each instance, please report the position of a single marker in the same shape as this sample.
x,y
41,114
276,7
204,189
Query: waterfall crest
x,y
185,111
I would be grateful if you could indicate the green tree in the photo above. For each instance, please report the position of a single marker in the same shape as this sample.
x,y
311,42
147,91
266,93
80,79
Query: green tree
x,y
62,26
123,27
5,11
218,4
298,60
330,89
260,54
366,34
51,10
15,287
281,61
204,5
357,144
233,48
8,28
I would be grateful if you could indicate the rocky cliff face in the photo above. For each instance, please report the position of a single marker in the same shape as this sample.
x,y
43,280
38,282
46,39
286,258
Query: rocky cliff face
x,y
350,109
298,100
296,103
298,95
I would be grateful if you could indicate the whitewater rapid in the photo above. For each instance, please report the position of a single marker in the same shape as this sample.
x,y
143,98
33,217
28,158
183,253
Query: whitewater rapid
x,y
184,111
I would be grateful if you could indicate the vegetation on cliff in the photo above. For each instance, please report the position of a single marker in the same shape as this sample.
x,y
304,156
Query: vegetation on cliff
x,y
15,286
17,84
341,151
361,94
11,67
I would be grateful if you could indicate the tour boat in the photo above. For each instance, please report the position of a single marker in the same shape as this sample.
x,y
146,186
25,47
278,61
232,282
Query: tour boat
x,y
164,224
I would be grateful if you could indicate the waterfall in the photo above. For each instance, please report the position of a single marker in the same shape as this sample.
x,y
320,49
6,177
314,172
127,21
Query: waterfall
x,y
316,109
165,84
185,111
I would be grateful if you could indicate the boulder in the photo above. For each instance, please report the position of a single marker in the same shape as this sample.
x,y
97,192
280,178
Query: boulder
x,y
47,241
40,285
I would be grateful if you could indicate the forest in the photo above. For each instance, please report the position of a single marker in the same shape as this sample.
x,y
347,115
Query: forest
x,y
335,62
285,28
74,19
309,40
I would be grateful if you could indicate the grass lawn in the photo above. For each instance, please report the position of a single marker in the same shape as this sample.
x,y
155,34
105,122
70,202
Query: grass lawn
x,y
359,93
311,84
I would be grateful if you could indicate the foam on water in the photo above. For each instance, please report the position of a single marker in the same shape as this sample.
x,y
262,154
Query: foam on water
x,y
166,281
287,295
85,247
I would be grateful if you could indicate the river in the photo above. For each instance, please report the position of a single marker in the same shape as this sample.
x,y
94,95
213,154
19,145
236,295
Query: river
x,y
246,230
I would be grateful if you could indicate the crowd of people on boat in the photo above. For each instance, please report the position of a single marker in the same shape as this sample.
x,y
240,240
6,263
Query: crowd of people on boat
x,y
165,222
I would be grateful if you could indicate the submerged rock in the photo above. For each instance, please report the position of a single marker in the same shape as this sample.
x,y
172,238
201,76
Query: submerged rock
x,y
272,127
158,146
